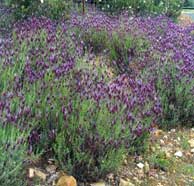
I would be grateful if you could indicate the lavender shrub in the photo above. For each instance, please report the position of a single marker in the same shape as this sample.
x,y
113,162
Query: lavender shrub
x,y
85,122
144,46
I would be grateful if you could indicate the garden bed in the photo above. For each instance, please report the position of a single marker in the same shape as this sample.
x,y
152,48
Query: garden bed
x,y
86,97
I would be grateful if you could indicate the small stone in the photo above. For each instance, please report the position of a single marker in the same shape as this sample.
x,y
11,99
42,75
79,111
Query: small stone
x,y
51,161
67,181
146,167
173,130
140,173
153,149
168,155
140,165
165,137
125,183
178,154
40,174
158,133
98,184
125,162
191,143
162,142
31,173
192,150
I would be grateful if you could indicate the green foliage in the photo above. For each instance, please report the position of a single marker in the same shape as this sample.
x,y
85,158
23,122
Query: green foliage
x,y
12,156
171,8
189,3
83,135
159,160
187,169
177,98
184,140
125,49
54,9
99,149
95,40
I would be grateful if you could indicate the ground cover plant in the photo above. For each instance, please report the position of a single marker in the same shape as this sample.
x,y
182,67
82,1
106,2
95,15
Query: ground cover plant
x,y
51,89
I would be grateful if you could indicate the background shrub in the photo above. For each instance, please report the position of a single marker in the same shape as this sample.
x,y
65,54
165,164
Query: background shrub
x,y
54,9
189,3
170,8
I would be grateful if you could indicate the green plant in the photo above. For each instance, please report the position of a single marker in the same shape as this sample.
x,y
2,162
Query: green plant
x,y
176,93
170,8
187,169
189,3
99,149
126,49
95,40
54,9
13,150
159,160
184,141
73,114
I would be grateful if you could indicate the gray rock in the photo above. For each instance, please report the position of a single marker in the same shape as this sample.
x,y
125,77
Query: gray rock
x,y
178,154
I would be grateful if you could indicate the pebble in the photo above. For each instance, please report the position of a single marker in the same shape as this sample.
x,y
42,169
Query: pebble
x,y
165,137
98,184
140,173
168,155
146,167
125,183
125,162
192,150
178,154
162,142
140,165
191,142
67,181
173,130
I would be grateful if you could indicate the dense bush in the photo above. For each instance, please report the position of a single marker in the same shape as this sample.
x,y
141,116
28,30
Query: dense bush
x,y
189,3
125,50
71,112
170,8
13,150
152,41
55,9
